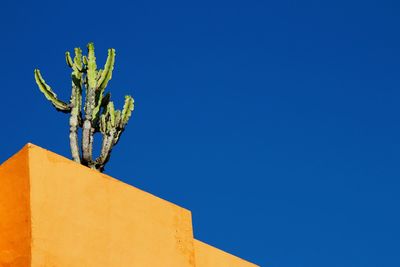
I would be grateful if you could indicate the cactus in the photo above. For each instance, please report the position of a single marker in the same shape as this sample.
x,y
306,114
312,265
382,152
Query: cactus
x,y
100,115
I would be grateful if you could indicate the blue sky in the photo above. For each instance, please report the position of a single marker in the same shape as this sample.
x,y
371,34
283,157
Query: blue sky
x,y
275,122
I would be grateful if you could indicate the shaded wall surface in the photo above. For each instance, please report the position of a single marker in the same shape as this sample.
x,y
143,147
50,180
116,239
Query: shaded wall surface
x,y
56,213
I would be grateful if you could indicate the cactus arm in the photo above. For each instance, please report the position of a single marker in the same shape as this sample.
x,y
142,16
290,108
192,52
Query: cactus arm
x,y
91,82
78,65
86,142
91,71
98,100
127,111
91,140
76,103
74,123
107,144
68,59
77,81
49,94
111,113
102,126
88,130
106,148
117,118
103,77
106,75
108,130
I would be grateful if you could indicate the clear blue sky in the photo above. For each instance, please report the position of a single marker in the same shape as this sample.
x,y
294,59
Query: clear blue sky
x,y
276,122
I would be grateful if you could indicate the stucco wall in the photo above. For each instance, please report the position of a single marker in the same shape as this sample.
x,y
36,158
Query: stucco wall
x,y
57,213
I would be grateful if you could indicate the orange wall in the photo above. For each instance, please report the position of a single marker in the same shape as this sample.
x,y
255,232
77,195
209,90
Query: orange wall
x,y
15,228
57,213
82,216
208,256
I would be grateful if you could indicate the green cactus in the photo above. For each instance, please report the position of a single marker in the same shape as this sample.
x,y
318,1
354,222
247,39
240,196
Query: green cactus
x,y
99,112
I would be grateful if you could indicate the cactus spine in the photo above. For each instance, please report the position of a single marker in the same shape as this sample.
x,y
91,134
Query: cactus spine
x,y
99,112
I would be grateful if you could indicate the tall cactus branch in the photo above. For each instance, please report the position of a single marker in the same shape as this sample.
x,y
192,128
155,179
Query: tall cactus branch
x,y
99,112
87,131
76,102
